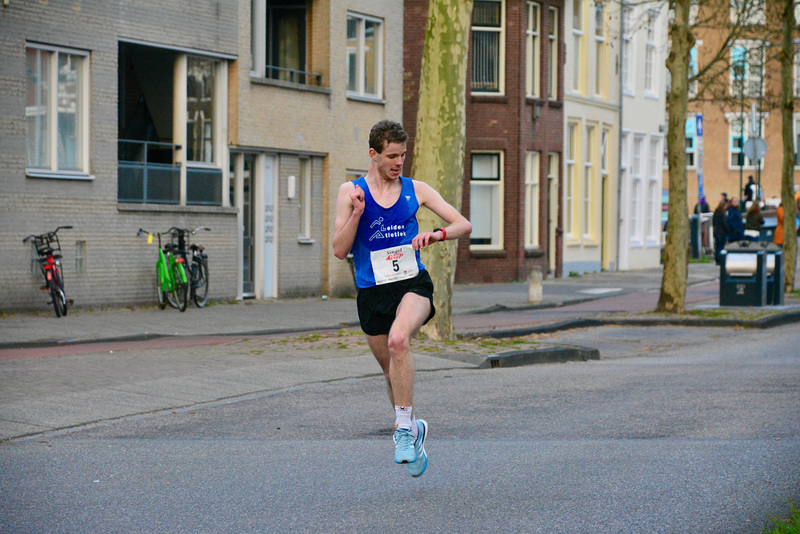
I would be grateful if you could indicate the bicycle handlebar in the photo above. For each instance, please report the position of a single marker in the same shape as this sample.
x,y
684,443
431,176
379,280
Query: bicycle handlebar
x,y
48,234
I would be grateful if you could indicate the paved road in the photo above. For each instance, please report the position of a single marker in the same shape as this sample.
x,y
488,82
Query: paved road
x,y
675,430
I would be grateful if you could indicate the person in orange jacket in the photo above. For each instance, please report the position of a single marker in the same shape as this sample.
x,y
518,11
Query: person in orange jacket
x,y
777,237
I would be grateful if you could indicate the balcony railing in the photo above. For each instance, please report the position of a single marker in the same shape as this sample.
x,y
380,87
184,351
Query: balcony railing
x,y
292,75
147,172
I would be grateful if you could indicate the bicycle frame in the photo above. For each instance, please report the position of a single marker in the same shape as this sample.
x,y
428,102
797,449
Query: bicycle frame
x,y
48,249
166,268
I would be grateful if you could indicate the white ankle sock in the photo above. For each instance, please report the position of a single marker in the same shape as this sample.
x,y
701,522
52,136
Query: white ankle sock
x,y
402,417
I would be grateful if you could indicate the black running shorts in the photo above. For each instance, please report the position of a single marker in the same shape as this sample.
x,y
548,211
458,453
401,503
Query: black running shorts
x,y
377,305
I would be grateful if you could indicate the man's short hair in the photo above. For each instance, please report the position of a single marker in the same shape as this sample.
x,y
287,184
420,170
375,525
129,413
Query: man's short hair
x,y
386,132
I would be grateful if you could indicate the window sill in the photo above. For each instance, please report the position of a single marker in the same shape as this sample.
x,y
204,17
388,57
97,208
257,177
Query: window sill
x,y
59,175
366,99
487,253
305,240
175,208
534,252
494,98
651,96
289,85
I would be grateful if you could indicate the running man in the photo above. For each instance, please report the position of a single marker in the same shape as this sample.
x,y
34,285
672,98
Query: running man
x,y
376,218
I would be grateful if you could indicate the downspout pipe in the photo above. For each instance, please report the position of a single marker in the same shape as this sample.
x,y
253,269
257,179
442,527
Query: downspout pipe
x,y
619,132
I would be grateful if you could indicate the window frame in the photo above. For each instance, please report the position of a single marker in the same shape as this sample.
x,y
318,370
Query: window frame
x,y
552,38
637,189
653,217
533,48
81,152
650,59
577,40
570,179
360,90
532,199
599,43
497,225
589,180
743,136
749,88
501,51
690,136
628,85
304,198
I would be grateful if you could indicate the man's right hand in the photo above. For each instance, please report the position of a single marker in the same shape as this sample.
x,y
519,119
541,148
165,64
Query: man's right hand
x,y
357,197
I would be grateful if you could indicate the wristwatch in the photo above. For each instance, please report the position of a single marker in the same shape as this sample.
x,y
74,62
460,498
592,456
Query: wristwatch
x,y
444,233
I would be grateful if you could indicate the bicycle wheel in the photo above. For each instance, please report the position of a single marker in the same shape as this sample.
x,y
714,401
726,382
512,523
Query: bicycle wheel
x,y
162,295
181,290
199,282
57,294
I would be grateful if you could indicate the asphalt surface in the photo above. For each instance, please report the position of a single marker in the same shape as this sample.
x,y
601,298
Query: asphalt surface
x,y
94,366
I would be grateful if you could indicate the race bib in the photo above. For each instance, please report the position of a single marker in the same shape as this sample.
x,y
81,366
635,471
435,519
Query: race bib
x,y
394,264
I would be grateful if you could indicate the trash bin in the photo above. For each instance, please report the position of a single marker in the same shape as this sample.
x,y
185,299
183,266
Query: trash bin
x,y
751,274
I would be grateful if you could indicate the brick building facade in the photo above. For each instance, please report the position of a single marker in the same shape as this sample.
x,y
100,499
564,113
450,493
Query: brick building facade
x,y
514,128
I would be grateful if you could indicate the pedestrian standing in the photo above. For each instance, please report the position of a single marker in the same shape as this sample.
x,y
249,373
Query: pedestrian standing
x,y
720,228
777,237
754,221
734,222
376,218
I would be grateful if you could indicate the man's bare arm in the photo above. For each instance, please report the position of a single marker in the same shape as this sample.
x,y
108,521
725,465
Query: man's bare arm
x,y
457,225
349,208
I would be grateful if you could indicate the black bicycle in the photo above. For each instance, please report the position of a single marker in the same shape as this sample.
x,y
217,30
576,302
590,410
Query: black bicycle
x,y
48,248
198,272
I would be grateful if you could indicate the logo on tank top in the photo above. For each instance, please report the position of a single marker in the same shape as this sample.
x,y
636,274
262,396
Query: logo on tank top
x,y
386,232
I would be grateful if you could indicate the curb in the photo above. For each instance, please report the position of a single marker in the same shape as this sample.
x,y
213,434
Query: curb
x,y
519,358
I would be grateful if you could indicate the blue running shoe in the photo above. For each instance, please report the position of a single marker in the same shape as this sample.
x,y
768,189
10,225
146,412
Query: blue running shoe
x,y
404,452
418,466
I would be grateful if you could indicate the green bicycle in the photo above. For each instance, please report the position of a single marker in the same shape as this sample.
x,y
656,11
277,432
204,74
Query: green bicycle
x,y
171,281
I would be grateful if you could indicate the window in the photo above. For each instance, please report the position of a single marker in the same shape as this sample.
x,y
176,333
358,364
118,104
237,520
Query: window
x,y
692,71
569,185
486,194
487,46
588,181
650,55
748,12
57,111
797,72
636,188
797,140
80,257
304,197
552,37
737,137
653,193
532,199
627,49
533,50
746,75
279,41
599,44
577,39
604,152
364,56
691,137
203,174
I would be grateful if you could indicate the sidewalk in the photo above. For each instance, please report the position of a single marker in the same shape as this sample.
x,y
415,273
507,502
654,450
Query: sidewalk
x,y
501,309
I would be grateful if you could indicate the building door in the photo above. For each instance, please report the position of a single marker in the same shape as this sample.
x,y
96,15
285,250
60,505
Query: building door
x,y
248,227
552,220
270,221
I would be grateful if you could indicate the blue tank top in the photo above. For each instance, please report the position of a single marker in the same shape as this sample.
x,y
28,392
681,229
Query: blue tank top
x,y
381,228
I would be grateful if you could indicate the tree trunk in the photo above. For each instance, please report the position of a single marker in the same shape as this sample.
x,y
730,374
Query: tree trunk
x,y
440,140
787,110
673,282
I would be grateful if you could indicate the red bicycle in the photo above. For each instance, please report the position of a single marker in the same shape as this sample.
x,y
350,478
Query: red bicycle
x,y
48,248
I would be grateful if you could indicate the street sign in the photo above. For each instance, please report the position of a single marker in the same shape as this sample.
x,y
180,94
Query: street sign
x,y
755,148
